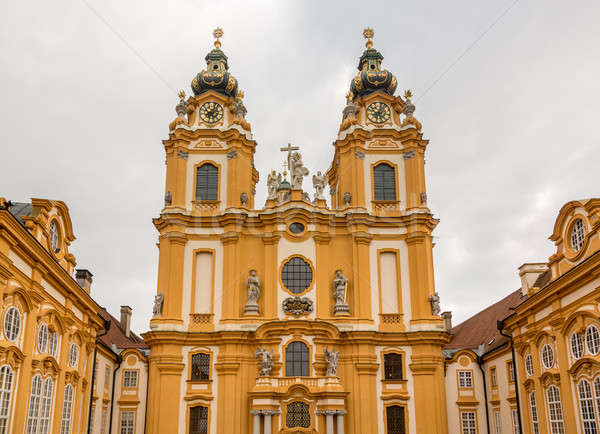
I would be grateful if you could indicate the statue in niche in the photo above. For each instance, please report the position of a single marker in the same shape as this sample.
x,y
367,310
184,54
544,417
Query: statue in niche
x,y
244,198
168,198
297,170
340,286
434,299
347,198
158,304
319,183
331,357
273,182
253,285
266,361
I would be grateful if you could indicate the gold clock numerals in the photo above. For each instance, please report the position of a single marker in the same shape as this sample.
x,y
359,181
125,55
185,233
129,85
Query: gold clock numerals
x,y
211,112
378,112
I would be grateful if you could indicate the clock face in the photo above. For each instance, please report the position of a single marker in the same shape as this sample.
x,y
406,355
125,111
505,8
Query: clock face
x,y
211,112
378,112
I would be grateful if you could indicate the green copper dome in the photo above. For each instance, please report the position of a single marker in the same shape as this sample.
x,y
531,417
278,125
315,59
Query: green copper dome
x,y
216,76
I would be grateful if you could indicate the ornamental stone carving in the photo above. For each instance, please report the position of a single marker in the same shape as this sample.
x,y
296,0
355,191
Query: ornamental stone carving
x,y
347,198
253,285
319,183
297,305
244,198
297,170
266,361
331,357
273,182
340,286
158,304
434,299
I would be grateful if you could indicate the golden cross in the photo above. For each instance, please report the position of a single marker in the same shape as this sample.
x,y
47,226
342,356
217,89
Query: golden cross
x,y
368,33
218,33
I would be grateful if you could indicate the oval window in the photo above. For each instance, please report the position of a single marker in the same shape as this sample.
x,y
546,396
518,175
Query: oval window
x,y
296,228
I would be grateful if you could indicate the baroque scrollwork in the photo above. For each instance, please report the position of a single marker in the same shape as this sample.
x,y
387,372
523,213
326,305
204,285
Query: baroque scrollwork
x,y
297,305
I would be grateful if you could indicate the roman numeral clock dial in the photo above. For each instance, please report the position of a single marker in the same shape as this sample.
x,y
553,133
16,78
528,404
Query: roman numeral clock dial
x,y
378,112
211,112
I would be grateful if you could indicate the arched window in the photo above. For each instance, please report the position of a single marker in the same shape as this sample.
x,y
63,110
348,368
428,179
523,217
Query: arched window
x,y
53,344
395,419
199,420
65,426
6,382
73,355
535,423
576,345
297,360
557,425
297,415
597,391
547,356
42,341
577,235
529,364
384,182
40,406
586,407
12,323
207,182
592,340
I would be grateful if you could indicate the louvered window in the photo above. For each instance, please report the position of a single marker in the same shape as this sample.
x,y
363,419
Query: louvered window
x,y
384,178
200,367
199,420
392,364
297,415
207,182
395,420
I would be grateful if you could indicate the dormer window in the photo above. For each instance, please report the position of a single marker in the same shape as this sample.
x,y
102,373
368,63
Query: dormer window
x,y
54,236
577,235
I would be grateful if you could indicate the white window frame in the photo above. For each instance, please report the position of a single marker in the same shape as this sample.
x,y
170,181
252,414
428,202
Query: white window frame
x,y
511,371
468,422
592,340
547,353
12,321
53,344
515,421
555,414
107,371
40,406
42,338
497,421
587,409
65,425
465,379
529,365
73,355
535,422
53,231
493,377
130,381
127,424
7,377
104,420
576,344
577,236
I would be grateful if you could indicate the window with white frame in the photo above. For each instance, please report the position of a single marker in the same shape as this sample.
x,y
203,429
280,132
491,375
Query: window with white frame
x,y
6,381
107,376
65,426
592,340
40,406
53,344
468,422
557,425
597,392
12,323
54,236
465,379
535,423
515,421
586,407
42,338
127,422
497,421
493,377
547,356
576,345
577,235
511,372
73,355
130,379
529,364
104,421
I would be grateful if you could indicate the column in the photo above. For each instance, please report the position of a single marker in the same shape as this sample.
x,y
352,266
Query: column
x,y
340,421
256,429
329,422
268,423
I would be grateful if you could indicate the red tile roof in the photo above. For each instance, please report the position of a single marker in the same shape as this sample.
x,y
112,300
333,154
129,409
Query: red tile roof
x,y
482,327
116,335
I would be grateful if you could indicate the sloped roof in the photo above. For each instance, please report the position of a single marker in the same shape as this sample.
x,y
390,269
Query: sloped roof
x,y
481,328
116,335
20,209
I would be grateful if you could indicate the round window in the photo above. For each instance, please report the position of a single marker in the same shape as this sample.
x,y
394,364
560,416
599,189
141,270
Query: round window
x,y
547,356
296,275
529,364
296,228
577,235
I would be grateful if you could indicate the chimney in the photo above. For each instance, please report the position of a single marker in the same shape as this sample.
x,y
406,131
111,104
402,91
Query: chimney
x,y
529,274
447,316
126,320
84,279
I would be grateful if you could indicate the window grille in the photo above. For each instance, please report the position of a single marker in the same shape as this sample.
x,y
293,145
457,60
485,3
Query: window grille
x,y
586,407
42,341
395,419
529,364
557,425
468,422
200,367
577,235
65,426
576,345
6,382
12,323
199,420
547,356
515,421
297,360
207,182
127,422
592,340
130,379
392,365
73,355
384,179
297,415
296,275
535,423
53,344
465,379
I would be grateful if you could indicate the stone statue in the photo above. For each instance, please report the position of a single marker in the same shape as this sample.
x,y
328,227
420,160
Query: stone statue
x,y
434,299
266,361
244,198
158,304
168,198
331,357
273,182
347,198
319,183
253,294
297,170
340,285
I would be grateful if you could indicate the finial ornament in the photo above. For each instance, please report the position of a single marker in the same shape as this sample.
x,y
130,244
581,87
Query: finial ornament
x,y
218,34
368,33
408,94
181,94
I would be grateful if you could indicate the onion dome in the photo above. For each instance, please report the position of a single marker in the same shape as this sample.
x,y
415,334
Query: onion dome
x,y
372,77
216,76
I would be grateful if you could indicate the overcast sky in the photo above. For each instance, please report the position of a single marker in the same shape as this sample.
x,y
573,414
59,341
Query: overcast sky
x,y
507,93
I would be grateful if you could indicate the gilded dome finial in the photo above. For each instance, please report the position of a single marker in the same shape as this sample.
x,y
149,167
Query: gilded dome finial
x,y
218,34
368,33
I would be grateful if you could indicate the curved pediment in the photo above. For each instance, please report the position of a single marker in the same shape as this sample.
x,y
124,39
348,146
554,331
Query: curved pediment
x,y
585,367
